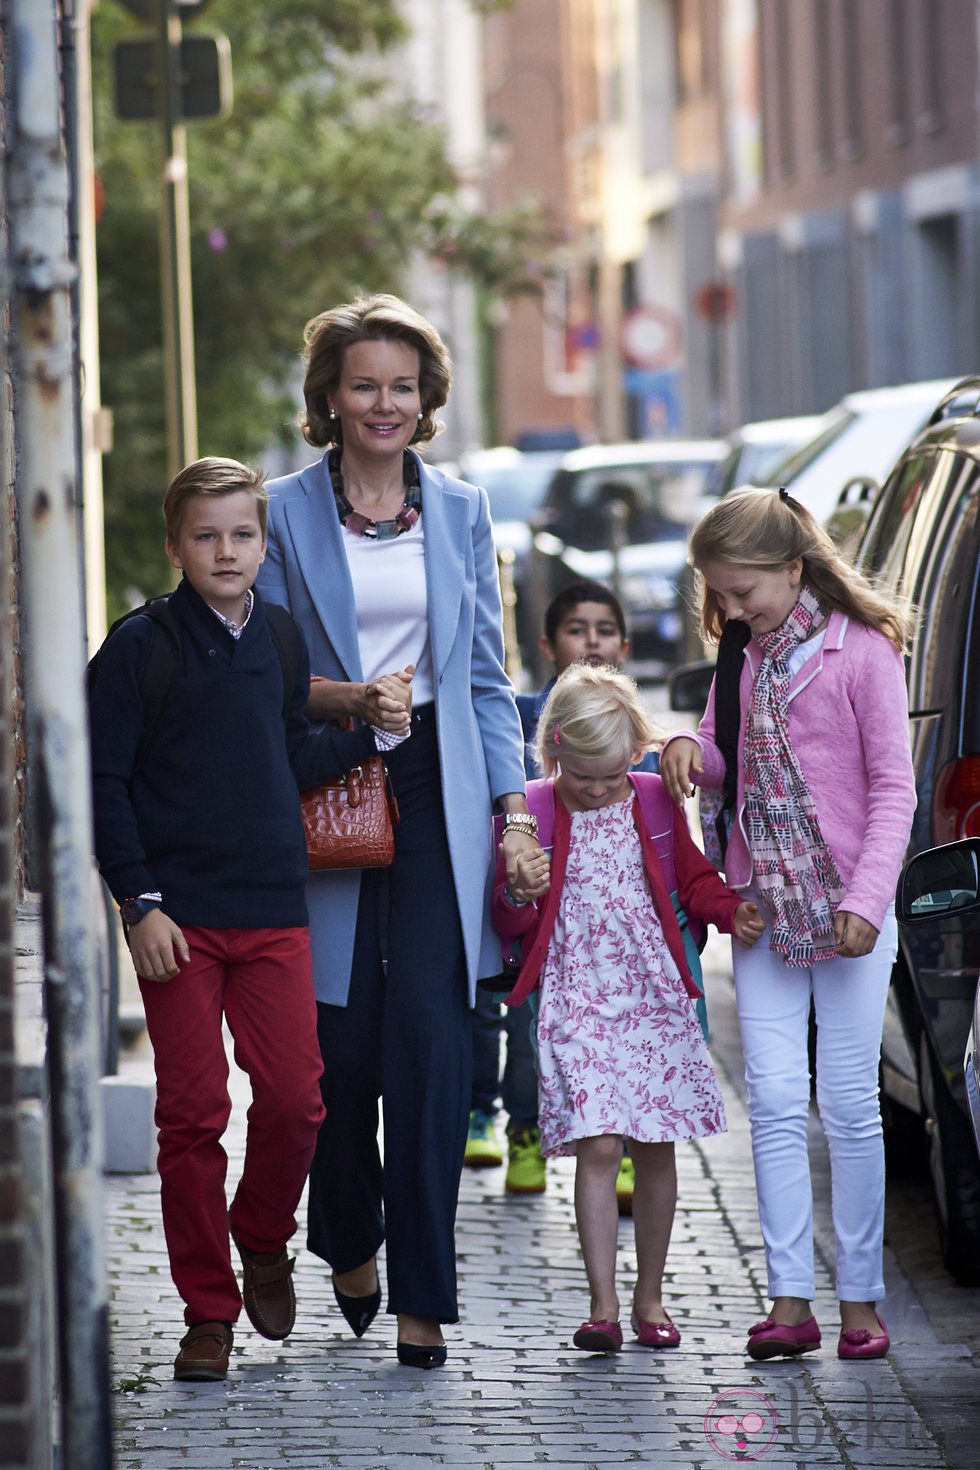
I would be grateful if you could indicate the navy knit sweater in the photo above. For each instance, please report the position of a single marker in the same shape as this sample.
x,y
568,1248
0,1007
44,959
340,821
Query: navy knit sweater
x,y
211,819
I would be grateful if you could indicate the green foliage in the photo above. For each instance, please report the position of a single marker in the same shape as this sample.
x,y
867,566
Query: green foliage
x,y
506,253
323,181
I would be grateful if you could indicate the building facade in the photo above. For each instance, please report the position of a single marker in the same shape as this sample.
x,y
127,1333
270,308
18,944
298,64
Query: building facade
x,y
848,209
764,204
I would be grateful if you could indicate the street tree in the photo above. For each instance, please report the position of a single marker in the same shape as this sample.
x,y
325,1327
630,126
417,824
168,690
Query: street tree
x,y
324,180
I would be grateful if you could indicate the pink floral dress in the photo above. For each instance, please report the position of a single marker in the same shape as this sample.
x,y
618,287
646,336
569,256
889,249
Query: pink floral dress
x,y
620,1048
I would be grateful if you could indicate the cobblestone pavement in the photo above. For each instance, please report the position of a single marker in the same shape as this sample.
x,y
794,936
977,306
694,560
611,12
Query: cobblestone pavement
x,y
514,1392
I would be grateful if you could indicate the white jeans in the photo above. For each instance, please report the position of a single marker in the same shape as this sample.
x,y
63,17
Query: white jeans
x,y
773,1008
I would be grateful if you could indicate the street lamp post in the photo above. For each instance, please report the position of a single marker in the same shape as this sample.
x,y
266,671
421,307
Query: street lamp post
x,y
175,259
169,76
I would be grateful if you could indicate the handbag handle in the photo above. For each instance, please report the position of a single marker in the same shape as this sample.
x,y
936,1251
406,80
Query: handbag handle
x,y
353,780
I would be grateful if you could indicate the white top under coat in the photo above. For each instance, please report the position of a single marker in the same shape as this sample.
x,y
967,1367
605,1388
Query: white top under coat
x,y
391,598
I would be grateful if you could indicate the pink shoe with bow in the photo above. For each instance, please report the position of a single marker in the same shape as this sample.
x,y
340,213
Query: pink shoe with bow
x,y
655,1334
858,1342
599,1336
771,1339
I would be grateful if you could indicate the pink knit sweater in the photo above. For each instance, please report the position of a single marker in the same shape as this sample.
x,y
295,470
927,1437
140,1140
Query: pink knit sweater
x,y
848,722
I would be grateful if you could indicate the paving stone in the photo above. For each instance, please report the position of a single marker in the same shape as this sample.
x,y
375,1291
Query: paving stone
x,y
515,1393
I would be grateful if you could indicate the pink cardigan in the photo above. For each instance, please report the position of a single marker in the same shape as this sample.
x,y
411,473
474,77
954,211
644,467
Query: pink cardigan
x,y
848,721
703,894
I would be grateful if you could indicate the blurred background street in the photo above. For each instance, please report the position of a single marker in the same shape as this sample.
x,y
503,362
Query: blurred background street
x,y
674,246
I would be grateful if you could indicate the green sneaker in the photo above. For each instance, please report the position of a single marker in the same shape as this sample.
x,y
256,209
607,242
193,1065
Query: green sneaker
x,y
525,1165
625,1180
482,1149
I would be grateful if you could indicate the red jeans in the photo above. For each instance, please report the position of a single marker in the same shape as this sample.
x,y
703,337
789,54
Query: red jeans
x,y
260,981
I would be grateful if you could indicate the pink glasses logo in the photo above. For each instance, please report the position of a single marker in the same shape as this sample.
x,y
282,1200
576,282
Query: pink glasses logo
x,y
741,1424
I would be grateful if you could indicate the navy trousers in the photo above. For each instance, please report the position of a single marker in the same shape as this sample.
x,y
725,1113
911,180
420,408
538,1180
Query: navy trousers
x,y
404,1036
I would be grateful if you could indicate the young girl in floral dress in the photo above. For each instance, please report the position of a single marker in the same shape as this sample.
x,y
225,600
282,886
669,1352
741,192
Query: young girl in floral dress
x,y
621,1053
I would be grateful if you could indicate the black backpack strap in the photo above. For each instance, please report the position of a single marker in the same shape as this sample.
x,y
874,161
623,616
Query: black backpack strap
x,y
286,637
159,668
728,672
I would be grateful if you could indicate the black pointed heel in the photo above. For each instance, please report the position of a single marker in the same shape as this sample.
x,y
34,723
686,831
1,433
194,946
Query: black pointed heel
x,y
359,1311
414,1355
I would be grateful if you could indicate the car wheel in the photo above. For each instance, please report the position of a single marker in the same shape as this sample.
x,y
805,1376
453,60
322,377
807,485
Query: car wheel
x,y
955,1171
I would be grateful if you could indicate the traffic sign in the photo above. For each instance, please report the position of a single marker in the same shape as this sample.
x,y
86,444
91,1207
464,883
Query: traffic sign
x,y
204,74
651,337
150,9
716,301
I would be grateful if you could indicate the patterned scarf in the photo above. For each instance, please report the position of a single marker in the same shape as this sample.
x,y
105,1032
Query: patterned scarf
x,y
795,873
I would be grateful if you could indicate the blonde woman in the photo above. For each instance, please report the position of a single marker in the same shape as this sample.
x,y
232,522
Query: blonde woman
x,y
388,566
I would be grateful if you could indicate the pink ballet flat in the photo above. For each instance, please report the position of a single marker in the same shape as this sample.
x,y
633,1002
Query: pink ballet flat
x,y
599,1336
771,1339
858,1342
655,1334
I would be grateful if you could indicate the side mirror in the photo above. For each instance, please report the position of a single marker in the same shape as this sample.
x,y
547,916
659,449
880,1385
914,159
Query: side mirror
x,y
942,880
859,491
688,685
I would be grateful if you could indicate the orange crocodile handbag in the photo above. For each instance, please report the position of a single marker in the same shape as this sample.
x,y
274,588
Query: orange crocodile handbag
x,y
350,821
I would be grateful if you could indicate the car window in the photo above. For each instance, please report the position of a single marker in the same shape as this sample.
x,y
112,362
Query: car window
x,y
835,423
941,576
659,499
515,492
748,464
883,549
515,484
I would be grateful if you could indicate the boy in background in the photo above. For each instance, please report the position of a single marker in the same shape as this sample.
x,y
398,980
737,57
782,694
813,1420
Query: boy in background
x,y
584,623
199,836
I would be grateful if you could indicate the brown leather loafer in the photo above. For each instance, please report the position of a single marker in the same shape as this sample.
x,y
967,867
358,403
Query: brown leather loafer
x,y
267,1291
204,1353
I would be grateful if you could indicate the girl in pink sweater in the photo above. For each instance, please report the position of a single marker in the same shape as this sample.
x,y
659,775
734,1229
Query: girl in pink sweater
x,y
621,1054
823,811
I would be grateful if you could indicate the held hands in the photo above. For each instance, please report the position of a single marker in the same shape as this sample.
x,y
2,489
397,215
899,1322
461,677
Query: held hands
x,y
387,702
748,924
855,936
157,946
528,866
678,760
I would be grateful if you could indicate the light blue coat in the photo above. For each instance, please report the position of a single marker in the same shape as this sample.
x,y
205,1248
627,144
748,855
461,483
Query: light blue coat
x,y
480,741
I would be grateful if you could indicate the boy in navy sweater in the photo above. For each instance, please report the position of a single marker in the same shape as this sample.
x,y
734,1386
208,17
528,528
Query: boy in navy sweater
x,y
200,838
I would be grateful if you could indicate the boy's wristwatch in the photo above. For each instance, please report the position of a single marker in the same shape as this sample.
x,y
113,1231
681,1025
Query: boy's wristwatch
x,y
135,909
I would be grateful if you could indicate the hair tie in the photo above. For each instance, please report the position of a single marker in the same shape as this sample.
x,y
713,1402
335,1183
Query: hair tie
x,y
557,735
783,495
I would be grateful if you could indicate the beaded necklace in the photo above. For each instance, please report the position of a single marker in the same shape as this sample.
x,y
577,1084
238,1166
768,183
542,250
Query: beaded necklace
x,y
362,525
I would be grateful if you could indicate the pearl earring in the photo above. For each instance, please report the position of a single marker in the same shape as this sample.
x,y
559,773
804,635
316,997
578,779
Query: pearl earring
x,y
333,413
421,416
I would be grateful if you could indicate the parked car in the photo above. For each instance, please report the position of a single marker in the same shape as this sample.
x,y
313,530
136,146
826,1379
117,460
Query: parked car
x,y
838,472
923,539
515,481
621,513
934,884
754,450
